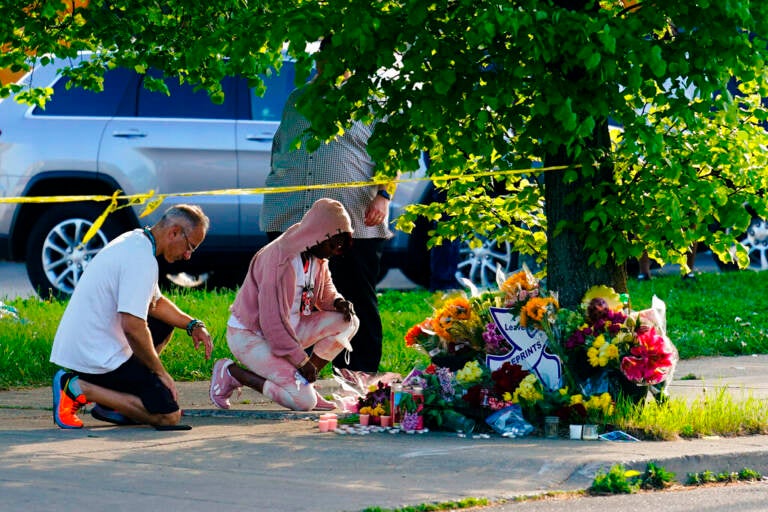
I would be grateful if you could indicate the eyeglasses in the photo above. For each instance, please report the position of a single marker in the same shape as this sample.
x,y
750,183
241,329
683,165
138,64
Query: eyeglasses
x,y
191,248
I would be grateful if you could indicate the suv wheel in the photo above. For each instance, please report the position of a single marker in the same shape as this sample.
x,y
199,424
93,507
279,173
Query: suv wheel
x,y
755,240
479,265
55,256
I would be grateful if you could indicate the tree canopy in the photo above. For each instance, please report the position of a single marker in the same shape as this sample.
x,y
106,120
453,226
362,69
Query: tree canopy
x,y
511,99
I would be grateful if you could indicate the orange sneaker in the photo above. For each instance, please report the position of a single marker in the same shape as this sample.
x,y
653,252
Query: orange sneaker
x,y
65,403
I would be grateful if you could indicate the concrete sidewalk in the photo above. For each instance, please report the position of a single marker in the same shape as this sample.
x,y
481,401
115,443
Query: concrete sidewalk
x,y
259,456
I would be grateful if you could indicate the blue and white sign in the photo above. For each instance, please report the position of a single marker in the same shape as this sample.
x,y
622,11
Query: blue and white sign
x,y
528,349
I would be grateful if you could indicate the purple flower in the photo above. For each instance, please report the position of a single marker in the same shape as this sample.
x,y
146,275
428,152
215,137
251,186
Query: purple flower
x,y
494,340
410,421
445,378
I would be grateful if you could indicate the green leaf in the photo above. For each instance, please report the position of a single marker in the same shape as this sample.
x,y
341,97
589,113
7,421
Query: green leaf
x,y
656,62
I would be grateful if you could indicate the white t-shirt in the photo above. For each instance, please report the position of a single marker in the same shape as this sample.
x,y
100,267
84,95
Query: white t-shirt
x,y
121,278
303,278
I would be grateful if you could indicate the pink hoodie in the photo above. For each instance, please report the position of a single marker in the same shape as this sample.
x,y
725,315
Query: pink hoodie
x,y
264,300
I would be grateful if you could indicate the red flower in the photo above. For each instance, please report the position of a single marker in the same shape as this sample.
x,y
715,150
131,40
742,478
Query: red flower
x,y
415,335
508,377
431,369
473,396
650,359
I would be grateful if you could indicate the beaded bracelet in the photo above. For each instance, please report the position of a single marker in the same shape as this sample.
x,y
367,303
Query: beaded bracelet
x,y
194,324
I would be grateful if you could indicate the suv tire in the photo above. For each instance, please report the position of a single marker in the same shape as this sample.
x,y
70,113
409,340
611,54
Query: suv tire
x,y
755,240
55,259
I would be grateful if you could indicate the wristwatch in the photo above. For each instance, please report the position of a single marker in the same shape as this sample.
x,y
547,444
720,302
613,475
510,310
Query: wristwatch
x,y
383,193
194,324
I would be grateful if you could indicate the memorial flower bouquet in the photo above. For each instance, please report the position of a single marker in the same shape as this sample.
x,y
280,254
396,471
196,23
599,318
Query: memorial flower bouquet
x,y
605,348
454,334
606,340
462,328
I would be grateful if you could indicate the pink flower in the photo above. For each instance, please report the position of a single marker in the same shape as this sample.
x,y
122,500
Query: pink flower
x,y
650,359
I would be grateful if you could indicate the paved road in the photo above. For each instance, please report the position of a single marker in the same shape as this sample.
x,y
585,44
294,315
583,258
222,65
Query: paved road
x,y
13,281
258,456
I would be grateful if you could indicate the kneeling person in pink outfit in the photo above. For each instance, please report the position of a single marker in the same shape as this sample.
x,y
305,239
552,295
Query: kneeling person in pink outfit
x,y
287,304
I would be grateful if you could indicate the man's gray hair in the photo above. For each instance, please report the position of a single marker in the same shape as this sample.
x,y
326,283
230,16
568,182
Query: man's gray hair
x,y
187,213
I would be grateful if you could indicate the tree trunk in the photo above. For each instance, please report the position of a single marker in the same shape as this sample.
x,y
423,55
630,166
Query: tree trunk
x,y
568,270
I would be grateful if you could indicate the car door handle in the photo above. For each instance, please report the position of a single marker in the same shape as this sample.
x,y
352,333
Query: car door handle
x,y
130,134
267,137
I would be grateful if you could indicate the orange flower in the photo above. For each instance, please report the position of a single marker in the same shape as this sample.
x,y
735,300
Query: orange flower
x,y
518,281
454,309
535,310
412,336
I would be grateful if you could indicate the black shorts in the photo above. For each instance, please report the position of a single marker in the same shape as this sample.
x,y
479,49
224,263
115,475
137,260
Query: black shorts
x,y
134,378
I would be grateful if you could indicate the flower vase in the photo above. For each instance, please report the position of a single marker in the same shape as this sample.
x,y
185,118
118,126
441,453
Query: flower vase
x,y
454,421
385,421
364,419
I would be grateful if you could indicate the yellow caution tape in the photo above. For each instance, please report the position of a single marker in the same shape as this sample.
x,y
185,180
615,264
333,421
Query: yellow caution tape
x,y
153,201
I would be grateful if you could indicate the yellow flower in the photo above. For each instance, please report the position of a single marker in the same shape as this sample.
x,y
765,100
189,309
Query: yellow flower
x,y
599,341
601,353
528,390
577,399
610,296
593,355
600,405
470,373
506,396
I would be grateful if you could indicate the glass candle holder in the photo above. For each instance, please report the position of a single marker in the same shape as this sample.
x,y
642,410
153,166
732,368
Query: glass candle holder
x,y
589,432
551,427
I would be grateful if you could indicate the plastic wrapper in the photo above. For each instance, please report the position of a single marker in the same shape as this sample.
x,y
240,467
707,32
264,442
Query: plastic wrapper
x,y
9,312
656,317
509,422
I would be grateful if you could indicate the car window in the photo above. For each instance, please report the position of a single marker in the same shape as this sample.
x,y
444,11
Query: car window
x,y
77,101
185,102
279,86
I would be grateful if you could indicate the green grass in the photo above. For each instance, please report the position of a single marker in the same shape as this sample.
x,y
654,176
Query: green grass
x,y
712,315
717,414
715,314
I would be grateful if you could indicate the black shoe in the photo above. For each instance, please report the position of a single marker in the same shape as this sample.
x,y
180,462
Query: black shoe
x,y
643,277
102,413
689,275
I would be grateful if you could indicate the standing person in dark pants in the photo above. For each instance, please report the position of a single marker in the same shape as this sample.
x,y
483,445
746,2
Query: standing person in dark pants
x,y
443,258
342,160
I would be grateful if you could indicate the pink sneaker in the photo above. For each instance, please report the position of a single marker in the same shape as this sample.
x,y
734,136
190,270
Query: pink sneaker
x,y
223,384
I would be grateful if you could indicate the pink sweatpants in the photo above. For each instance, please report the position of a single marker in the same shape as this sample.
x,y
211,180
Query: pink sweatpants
x,y
326,331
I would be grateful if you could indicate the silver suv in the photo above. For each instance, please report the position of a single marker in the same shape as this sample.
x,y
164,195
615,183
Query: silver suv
x,y
131,139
